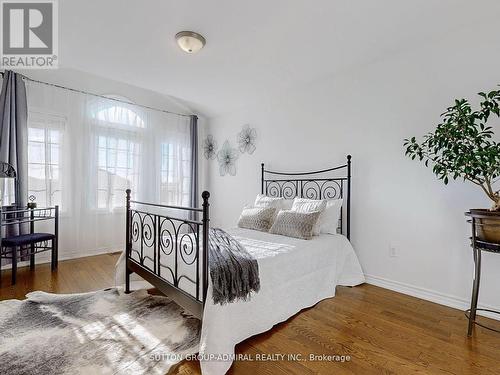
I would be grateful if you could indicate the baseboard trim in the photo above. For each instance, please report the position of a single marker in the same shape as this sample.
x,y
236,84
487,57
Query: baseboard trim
x,y
45,257
429,295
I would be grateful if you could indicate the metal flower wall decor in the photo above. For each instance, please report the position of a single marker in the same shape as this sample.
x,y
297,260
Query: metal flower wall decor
x,y
227,157
246,139
210,147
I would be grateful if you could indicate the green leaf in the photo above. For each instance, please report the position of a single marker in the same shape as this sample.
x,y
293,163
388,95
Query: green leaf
x,y
463,145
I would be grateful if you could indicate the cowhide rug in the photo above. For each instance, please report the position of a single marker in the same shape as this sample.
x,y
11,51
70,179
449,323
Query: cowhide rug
x,y
103,332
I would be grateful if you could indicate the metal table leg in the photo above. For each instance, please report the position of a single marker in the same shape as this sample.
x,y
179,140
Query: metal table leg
x,y
14,265
475,289
32,256
32,246
53,256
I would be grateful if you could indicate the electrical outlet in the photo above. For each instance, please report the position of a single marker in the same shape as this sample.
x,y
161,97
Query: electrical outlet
x,y
393,251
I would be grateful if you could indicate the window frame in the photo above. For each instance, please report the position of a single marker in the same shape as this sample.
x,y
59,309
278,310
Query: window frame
x,y
167,144
131,133
41,119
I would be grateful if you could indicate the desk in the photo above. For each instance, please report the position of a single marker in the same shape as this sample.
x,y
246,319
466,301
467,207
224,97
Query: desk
x,y
21,240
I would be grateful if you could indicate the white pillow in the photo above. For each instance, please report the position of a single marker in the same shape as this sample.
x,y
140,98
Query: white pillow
x,y
329,219
265,201
310,205
287,204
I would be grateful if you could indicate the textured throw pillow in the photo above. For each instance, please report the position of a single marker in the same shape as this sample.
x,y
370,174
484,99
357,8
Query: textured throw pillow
x,y
257,218
310,205
295,224
329,219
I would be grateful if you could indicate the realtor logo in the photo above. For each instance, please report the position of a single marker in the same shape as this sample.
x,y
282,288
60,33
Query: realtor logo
x,y
29,34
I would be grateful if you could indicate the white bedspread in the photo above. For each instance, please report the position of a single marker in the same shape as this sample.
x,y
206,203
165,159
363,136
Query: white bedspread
x,y
294,274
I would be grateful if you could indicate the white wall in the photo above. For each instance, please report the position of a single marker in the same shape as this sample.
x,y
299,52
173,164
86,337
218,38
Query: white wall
x,y
367,112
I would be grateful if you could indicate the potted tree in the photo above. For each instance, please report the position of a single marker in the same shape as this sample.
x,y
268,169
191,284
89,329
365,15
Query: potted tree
x,y
462,146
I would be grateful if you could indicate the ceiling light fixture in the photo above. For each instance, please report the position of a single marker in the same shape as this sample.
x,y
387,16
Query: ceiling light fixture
x,y
189,41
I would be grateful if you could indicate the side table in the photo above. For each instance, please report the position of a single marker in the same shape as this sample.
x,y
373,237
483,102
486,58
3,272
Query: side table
x,y
478,246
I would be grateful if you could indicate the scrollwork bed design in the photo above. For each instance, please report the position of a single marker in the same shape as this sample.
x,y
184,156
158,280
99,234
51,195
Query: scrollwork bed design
x,y
162,246
332,183
159,245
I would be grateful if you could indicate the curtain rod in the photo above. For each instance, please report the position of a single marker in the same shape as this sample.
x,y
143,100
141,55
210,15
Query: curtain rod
x,y
97,95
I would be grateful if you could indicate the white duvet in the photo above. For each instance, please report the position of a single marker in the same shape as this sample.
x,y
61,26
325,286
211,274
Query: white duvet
x,y
294,274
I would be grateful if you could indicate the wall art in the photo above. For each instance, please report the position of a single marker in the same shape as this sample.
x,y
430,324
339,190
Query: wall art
x,y
210,147
246,139
227,157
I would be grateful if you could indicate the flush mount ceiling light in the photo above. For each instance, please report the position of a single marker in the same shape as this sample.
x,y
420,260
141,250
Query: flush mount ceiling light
x,y
189,41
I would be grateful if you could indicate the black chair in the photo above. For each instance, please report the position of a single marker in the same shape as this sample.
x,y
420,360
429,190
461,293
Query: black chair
x,y
28,242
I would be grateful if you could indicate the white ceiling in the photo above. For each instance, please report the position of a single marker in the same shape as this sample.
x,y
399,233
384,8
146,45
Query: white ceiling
x,y
254,48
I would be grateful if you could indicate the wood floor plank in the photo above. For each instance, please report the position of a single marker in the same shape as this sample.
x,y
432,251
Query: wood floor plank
x,y
383,332
440,344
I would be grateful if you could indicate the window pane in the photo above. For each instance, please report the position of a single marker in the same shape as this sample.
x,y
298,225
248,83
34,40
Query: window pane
x,y
112,143
56,198
36,172
174,176
102,179
36,134
54,175
111,157
102,198
131,161
120,115
122,144
102,141
116,201
36,152
44,154
54,136
121,173
117,159
101,162
54,154
121,159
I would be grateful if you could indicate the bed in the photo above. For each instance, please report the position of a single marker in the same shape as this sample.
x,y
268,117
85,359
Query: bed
x,y
165,246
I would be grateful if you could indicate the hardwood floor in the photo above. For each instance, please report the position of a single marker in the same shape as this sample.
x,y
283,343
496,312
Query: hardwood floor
x,y
382,331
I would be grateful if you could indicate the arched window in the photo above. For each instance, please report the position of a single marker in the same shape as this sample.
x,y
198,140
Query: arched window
x,y
118,130
119,114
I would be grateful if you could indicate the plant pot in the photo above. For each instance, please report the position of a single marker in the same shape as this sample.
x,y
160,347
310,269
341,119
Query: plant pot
x,y
487,224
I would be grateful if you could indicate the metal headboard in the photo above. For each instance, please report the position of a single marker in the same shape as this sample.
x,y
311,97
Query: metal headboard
x,y
291,185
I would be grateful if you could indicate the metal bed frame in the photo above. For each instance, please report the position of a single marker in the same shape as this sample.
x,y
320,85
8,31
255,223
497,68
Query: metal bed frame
x,y
178,241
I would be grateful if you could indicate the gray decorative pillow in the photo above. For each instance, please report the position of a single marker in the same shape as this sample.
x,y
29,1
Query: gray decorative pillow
x,y
295,224
257,218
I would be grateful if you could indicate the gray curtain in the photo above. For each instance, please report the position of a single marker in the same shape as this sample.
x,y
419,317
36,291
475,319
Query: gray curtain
x,y
14,131
194,200
14,145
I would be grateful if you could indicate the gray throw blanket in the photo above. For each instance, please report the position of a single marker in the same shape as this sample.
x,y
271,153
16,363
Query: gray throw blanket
x,y
234,272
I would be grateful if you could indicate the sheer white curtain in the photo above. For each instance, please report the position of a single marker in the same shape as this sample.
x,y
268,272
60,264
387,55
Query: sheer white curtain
x,y
85,151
